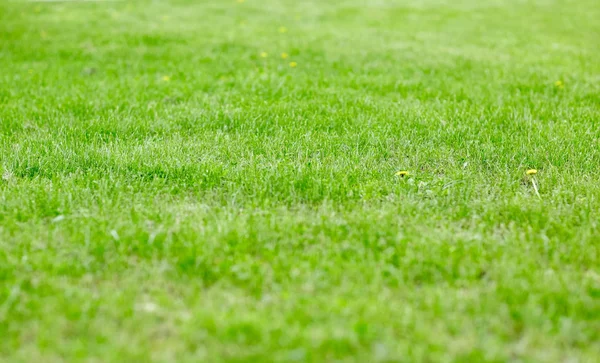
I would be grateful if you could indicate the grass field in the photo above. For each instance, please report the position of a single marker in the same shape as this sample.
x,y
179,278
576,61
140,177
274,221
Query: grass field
x,y
216,181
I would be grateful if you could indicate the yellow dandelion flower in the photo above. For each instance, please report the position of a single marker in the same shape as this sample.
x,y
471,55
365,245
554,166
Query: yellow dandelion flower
x,y
559,84
293,64
166,78
284,56
282,29
531,172
240,1
264,54
402,173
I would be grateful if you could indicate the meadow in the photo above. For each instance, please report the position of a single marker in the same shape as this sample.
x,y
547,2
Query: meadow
x,y
273,180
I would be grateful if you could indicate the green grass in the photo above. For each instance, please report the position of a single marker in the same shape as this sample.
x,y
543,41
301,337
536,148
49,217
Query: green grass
x,y
168,194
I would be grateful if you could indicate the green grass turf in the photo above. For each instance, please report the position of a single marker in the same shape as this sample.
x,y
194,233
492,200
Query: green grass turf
x,y
171,193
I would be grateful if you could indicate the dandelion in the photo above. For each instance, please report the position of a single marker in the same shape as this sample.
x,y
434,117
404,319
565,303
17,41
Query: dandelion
x,y
282,29
402,173
264,54
241,1
166,78
284,56
559,84
531,176
293,64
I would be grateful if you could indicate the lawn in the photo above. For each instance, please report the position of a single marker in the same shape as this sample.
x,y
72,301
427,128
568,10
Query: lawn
x,y
217,180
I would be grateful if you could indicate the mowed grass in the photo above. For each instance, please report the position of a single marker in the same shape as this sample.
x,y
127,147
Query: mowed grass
x,y
176,188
